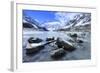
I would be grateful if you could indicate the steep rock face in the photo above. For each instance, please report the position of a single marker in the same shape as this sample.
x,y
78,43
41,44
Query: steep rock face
x,y
79,22
31,23
27,25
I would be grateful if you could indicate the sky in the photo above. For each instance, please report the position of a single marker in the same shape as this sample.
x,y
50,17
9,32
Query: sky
x,y
40,16
53,18
48,16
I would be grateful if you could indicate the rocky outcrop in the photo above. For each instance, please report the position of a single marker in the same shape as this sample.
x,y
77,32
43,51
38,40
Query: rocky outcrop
x,y
80,40
34,40
27,25
36,44
49,39
57,53
74,35
66,45
30,51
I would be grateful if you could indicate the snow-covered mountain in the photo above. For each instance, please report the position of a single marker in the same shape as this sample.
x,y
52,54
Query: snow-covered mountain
x,y
79,22
32,24
52,25
27,24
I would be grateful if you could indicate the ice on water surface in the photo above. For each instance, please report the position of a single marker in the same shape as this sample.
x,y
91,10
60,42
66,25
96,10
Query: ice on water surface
x,y
82,52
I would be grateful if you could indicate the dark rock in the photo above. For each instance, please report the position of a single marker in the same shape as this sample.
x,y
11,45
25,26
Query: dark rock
x,y
69,48
58,53
30,50
27,25
49,39
59,43
34,40
74,35
34,46
80,41
30,40
44,28
65,45
71,40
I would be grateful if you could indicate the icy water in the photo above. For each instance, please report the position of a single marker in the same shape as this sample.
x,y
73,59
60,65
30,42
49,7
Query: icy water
x,y
82,52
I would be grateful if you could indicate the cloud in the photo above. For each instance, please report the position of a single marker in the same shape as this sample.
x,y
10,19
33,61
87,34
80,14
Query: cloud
x,y
61,19
52,25
64,17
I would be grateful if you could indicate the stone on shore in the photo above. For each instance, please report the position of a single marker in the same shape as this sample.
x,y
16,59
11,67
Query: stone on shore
x,y
66,45
58,53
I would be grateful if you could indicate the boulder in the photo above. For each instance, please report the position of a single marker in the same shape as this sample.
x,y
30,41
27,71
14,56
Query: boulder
x,y
66,45
30,51
50,39
34,40
74,35
59,43
80,41
33,50
57,53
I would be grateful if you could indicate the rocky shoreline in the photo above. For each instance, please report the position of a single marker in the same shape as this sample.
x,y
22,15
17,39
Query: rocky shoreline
x,y
62,49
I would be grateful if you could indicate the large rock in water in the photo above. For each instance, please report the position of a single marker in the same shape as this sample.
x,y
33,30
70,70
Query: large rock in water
x,y
74,35
33,50
50,39
58,53
66,45
79,40
34,40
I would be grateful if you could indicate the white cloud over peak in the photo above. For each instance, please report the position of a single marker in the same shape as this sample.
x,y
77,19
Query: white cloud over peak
x,y
64,17
52,25
61,19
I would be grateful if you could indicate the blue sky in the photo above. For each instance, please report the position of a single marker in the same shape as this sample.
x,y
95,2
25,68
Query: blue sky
x,y
41,16
50,17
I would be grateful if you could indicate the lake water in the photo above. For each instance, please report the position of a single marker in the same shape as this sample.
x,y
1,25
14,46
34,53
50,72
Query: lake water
x,y
83,50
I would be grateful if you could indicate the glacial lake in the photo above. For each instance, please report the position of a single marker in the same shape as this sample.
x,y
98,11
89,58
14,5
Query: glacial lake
x,y
82,52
